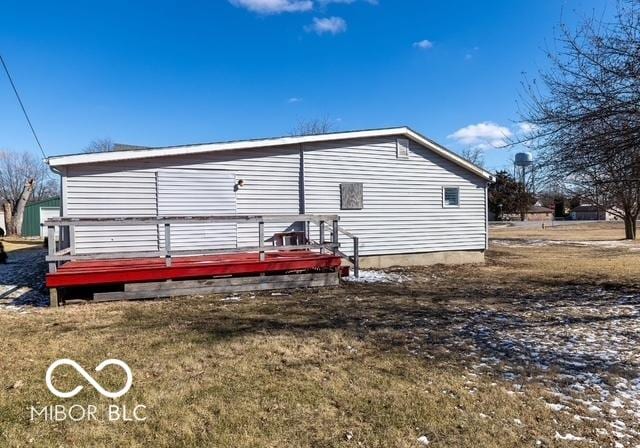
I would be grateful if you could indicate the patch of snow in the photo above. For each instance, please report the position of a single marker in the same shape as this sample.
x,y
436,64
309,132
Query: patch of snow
x,y
568,436
372,276
556,407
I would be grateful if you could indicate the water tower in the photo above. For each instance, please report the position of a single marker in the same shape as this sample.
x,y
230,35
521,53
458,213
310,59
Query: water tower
x,y
524,171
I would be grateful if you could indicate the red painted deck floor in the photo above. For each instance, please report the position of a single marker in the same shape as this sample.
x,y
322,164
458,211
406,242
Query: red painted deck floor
x,y
137,270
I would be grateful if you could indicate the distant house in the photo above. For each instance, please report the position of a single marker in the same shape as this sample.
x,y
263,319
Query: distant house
x,y
591,212
539,213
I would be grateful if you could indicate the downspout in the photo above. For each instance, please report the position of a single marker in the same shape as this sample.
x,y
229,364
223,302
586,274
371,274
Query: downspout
x,y
486,216
63,234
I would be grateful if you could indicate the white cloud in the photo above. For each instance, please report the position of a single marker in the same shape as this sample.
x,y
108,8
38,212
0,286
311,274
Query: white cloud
x,y
423,44
483,135
526,128
274,6
294,99
280,6
345,2
331,25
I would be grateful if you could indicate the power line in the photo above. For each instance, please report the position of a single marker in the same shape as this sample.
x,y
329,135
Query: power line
x,y
24,111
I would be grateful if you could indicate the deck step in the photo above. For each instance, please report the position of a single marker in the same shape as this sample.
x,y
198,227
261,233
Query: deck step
x,y
136,291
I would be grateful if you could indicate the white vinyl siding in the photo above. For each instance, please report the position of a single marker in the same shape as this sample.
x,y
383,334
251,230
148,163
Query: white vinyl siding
x,y
102,193
197,192
128,188
402,197
402,210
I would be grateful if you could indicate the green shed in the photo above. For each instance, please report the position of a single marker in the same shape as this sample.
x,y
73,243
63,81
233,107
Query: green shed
x,y
36,213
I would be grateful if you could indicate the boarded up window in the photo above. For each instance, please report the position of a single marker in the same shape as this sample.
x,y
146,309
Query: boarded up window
x,y
402,148
351,196
451,196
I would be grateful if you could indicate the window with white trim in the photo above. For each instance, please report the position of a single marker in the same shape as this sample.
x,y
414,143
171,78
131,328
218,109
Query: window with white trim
x,y
450,196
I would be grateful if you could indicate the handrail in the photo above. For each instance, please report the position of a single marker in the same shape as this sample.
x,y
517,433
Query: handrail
x,y
355,259
68,254
128,220
356,250
346,232
162,253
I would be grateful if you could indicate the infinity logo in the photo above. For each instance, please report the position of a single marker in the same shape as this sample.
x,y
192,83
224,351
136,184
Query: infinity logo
x,y
90,380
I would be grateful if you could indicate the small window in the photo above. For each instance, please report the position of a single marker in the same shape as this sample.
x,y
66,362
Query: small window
x,y
450,197
351,196
402,148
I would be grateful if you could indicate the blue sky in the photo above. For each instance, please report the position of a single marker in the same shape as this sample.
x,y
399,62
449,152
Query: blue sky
x,y
169,72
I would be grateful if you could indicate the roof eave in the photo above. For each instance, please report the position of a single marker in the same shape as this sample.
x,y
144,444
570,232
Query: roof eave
x,y
78,159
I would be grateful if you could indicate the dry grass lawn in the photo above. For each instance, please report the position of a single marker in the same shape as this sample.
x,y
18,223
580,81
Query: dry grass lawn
x,y
572,231
355,366
11,245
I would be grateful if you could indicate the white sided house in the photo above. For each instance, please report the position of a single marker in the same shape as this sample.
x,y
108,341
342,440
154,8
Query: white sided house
x,y
408,199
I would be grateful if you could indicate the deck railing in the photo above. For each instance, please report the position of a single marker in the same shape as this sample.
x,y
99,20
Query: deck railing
x,y
56,255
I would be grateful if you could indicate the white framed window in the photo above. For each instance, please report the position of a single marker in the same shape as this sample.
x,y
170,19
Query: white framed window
x,y
451,196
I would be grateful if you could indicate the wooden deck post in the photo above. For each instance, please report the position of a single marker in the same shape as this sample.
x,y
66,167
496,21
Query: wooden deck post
x,y
72,239
167,244
261,238
334,237
53,298
321,225
356,256
53,266
51,247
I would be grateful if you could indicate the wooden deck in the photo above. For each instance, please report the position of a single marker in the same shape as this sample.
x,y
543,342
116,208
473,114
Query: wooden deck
x,y
139,270
126,274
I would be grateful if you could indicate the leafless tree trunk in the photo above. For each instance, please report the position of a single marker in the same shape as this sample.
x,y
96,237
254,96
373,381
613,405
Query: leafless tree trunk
x,y
20,205
8,217
630,226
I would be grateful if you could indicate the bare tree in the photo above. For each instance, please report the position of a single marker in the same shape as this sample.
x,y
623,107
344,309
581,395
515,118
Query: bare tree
x,y
586,116
22,177
313,127
100,145
473,155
